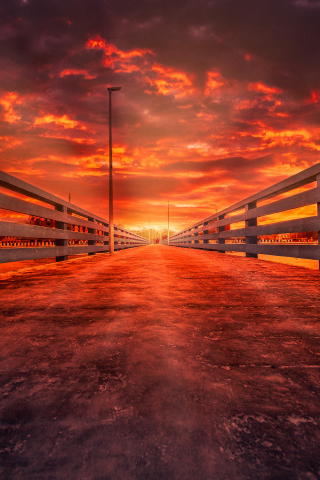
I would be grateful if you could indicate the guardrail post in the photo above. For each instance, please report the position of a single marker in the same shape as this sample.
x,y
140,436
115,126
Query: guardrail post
x,y
91,230
196,234
115,237
221,241
205,232
252,222
61,226
106,242
318,209
189,243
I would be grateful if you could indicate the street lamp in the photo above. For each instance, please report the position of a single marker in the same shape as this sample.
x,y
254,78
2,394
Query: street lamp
x,y
111,233
168,223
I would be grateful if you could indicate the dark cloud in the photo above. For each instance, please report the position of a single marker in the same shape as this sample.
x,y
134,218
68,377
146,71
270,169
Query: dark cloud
x,y
231,164
281,35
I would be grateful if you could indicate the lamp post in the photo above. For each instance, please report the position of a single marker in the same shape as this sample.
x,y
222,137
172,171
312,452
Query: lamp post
x,y
149,231
111,233
168,222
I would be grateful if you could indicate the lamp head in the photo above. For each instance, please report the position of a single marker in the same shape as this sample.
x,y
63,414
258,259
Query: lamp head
x,y
114,89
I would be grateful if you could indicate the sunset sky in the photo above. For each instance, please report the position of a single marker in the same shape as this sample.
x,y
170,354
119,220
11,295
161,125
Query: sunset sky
x,y
219,99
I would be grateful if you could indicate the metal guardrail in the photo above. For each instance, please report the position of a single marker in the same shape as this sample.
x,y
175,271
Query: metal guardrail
x,y
198,236
70,230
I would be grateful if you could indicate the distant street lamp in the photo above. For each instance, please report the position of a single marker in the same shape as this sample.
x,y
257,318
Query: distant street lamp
x,y
111,232
149,232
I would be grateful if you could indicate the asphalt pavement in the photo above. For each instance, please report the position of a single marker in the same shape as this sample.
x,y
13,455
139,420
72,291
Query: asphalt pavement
x,y
160,363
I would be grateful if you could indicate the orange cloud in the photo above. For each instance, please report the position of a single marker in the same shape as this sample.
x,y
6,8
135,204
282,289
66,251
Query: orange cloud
x,y
92,165
8,142
260,87
64,121
169,81
284,138
269,92
315,97
76,72
81,141
96,42
288,135
8,102
114,57
214,81
200,148
166,80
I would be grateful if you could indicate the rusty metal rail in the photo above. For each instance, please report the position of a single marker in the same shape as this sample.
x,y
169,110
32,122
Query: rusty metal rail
x,y
213,232
69,230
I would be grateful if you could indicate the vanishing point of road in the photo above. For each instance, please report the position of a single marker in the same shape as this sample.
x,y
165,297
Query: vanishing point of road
x,y
160,363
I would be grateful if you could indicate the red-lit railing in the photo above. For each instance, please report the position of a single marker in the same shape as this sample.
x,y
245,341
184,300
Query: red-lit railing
x,y
55,228
219,231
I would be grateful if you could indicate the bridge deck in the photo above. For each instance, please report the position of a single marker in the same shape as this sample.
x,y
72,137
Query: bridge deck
x,y
160,363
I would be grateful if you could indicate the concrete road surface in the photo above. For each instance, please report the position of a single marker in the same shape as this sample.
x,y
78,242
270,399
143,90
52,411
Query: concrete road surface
x,y
160,363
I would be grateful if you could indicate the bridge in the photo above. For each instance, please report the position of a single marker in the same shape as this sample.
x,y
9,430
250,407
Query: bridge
x,y
161,362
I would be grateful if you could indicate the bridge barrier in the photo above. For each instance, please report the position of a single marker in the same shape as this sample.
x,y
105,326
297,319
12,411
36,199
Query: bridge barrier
x,y
216,231
56,229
